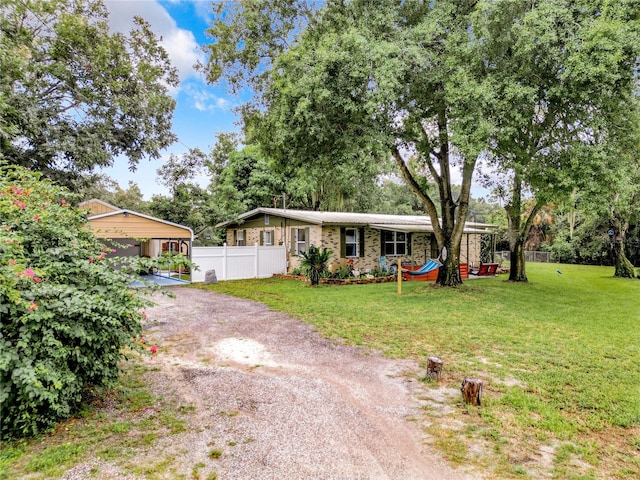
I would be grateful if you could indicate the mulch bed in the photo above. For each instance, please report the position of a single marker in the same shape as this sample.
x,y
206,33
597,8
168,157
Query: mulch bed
x,y
341,281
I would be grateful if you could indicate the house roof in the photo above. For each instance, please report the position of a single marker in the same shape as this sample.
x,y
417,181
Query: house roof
x,y
96,206
405,223
119,221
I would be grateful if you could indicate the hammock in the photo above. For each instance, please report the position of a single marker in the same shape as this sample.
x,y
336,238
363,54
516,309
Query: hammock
x,y
430,266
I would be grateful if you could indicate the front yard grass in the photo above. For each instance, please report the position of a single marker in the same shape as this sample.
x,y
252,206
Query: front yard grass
x,y
560,357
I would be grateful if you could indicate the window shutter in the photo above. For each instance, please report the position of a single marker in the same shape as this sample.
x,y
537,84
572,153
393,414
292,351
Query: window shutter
x,y
294,238
361,240
382,254
261,238
343,242
409,242
306,239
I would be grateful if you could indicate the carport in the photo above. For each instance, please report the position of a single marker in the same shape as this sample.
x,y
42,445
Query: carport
x,y
137,233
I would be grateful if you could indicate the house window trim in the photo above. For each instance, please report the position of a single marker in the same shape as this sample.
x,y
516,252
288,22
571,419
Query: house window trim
x,y
270,242
395,242
297,244
359,241
241,242
355,243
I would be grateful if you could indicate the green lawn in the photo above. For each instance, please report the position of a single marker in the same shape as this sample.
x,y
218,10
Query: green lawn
x,y
566,347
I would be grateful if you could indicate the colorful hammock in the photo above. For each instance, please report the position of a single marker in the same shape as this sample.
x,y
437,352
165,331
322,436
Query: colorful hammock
x,y
430,266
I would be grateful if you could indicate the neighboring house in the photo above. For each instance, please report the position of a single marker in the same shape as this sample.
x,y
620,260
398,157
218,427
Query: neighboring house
x,y
141,235
368,240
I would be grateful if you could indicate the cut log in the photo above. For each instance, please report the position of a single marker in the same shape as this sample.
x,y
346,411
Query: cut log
x,y
472,391
434,368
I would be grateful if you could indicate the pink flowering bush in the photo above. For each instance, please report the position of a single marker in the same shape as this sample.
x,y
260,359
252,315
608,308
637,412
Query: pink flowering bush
x,y
66,316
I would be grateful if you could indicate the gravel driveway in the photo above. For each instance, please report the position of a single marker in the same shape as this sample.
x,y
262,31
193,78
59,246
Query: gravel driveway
x,y
279,401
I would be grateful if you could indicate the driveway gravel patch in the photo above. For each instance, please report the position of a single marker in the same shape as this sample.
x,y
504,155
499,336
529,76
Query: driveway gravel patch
x,y
269,398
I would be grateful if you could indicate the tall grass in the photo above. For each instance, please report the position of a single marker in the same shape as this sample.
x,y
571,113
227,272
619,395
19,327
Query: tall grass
x,y
568,342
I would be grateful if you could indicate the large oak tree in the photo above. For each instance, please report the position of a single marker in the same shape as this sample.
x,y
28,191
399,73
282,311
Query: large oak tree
x,y
358,82
564,79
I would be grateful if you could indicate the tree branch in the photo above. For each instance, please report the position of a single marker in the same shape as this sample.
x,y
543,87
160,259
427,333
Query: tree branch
x,y
415,186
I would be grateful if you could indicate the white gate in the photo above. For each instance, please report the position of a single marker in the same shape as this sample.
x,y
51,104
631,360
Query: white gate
x,y
235,263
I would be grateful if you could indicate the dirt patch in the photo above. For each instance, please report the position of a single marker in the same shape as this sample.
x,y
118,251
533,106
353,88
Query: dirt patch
x,y
270,399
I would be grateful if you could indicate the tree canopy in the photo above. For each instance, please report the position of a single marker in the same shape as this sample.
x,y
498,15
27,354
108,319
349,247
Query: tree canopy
x,y
437,86
563,76
73,95
363,82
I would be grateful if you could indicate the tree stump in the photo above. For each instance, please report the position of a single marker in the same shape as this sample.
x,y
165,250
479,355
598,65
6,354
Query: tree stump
x,y
471,391
434,368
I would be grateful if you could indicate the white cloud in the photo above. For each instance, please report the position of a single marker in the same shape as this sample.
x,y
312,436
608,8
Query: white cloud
x,y
204,10
203,99
180,44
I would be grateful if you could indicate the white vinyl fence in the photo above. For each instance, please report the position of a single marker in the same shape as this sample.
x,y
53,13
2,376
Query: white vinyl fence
x,y
235,263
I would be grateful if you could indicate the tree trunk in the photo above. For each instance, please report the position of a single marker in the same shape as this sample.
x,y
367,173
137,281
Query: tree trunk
x,y
518,229
454,212
314,276
624,268
517,271
449,272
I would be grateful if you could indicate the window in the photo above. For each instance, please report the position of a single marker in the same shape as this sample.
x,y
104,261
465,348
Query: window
x,y
267,237
266,219
394,243
300,240
240,240
351,242
170,246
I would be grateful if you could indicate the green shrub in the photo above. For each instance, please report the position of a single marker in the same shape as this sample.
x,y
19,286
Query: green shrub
x,y
344,272
65,313
299,271
380,272
314,261
563,252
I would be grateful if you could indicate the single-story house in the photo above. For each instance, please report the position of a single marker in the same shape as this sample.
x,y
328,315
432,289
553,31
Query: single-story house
x,y
141,235
367,240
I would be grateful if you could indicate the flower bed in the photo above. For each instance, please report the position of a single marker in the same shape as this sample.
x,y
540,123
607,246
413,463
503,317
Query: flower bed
x,y
340,281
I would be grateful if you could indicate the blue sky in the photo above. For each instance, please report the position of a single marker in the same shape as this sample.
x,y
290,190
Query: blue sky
x,y
202,111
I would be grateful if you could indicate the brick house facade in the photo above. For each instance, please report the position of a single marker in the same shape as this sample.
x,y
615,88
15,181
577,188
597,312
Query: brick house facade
x,y
360,238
